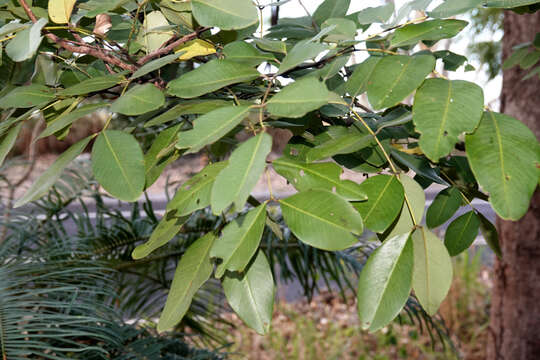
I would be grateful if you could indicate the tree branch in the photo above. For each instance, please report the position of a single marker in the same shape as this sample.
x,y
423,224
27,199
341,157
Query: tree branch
x,y
100,54
169,48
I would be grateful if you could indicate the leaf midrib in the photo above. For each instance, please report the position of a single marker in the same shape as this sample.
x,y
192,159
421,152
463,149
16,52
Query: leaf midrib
x,y
117,160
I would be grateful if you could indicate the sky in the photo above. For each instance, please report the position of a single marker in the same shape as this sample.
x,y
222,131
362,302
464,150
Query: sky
x,y
458,45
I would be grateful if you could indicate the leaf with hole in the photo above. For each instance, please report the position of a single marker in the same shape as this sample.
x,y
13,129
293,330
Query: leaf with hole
x,y
504,156
385,282
322,219
397,76
442,111
118,164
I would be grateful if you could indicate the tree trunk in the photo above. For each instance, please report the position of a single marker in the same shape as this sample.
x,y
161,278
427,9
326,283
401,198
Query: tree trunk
x,y
515,311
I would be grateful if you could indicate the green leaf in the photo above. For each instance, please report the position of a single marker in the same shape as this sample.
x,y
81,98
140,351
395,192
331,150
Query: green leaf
x,y
321,176
419,164
8,141
507,4
153,34
242,52
192,271
432,271
322,219
443,207
138,100
49,177
442,111
489,231
342,30
239,241
210,127
94,84
195,193
251,295
385,200
302,51
195,107
237,180
385,282
225,14
395,77
529,60
331,9
153,159
416,198
26,42
69,118
346,144
431,30
211,76
515,58
461,233
379,14
357,84
167,228
299,98
118,164
451,8
27,96
275,46
504,156
155,65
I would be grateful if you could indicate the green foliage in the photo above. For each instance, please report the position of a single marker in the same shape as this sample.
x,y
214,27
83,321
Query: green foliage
x,y
144,67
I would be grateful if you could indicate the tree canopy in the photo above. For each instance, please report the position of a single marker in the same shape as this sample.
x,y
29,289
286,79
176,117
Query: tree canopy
x,y
196,74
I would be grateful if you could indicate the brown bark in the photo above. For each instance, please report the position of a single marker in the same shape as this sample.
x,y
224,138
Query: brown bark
x,y
515,312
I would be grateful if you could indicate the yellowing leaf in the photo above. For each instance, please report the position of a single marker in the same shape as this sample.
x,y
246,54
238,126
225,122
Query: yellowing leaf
x,y
60,10
413,151
194,48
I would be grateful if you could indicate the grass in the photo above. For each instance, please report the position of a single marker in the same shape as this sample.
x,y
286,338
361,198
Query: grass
x,y
327,327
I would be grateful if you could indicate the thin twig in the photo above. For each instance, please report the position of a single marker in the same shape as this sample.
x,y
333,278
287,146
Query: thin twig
x,y
174,44
83,49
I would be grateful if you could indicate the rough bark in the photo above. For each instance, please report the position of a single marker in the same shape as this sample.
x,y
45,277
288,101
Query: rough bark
x,y
515,312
